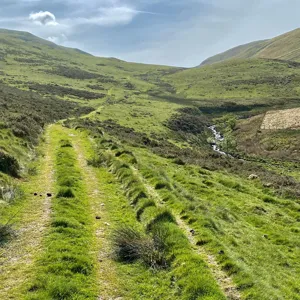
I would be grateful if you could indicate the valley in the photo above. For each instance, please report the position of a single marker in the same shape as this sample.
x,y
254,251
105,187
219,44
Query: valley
x,y
111,189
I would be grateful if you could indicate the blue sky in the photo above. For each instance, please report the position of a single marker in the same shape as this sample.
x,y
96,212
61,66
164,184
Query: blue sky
x,y
169,32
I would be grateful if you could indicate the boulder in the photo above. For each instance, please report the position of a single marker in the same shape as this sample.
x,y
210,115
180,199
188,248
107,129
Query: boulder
x,y
253,176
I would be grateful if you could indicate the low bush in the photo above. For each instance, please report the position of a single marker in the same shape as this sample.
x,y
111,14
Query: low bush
x,y
9,165
6,232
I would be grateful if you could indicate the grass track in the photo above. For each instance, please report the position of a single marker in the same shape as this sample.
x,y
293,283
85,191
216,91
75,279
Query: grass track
x,y
65,270
31,219
76,262
129,281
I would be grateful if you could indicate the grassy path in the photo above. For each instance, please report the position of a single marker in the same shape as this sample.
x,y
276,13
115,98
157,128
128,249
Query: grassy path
x,y
106,273
63,248
32,218
115,279
76,261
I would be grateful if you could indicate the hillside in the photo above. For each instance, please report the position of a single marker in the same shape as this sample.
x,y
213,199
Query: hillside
x,y
110,187
283,47
243,81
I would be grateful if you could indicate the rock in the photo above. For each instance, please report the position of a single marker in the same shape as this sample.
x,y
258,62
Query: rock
x,y
102,204
268,185
107,224
253,176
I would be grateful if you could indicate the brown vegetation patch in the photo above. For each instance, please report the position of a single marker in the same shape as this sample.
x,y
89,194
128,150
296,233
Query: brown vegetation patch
x,y
282,119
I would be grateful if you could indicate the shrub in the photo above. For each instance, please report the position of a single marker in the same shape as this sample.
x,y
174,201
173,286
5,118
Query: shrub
x,y
6,232
9,165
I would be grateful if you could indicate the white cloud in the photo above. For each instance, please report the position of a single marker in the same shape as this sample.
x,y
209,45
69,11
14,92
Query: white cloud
x,y
44,18
109,16
60,39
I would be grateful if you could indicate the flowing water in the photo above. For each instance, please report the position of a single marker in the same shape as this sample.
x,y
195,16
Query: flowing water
x,y
218,138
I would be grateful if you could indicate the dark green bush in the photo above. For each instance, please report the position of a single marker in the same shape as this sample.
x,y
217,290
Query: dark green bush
x,y
6,232
9,165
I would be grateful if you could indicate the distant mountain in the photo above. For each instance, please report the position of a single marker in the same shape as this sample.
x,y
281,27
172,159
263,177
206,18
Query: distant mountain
x,y
283,47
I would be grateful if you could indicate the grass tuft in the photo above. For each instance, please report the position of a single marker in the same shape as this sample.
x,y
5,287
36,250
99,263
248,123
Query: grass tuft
x,y
65,192
130,245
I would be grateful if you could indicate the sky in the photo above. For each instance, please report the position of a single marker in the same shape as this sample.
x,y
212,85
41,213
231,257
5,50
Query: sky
x,y
168,32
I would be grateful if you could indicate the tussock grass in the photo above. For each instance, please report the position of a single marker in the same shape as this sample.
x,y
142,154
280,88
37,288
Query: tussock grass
x,y
142,205
65,192
130,245
153,215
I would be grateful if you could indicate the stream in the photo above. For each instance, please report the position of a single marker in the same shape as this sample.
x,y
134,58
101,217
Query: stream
x,y
218,138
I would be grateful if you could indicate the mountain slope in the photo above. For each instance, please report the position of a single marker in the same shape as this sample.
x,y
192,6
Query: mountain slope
x,y
28,62
243,51
283,47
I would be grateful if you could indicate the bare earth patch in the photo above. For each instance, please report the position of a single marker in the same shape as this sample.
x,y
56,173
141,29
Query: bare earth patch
x,y
282,119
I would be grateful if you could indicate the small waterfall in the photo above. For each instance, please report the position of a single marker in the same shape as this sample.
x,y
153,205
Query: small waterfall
x,y
218,138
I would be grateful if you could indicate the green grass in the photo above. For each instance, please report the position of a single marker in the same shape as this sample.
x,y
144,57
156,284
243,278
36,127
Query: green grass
x,y
240,223
237,220
194,281
66,269
285,47
250,227
243,81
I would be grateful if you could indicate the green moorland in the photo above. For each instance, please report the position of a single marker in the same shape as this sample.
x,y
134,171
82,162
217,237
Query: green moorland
x,y
139,206
285,47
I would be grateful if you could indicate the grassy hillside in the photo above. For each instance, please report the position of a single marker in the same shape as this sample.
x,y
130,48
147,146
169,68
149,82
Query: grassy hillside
x,y
52,73
283,47
243,51
28,62
260,81
125,197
